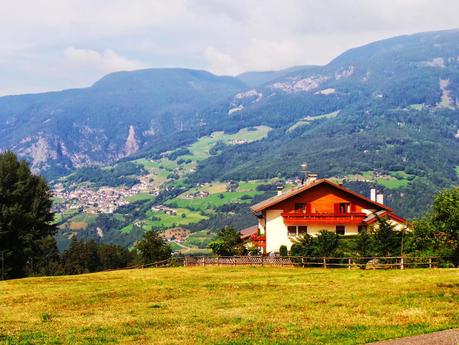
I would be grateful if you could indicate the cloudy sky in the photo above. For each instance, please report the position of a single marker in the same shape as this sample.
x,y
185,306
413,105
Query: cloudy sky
x,y
53,45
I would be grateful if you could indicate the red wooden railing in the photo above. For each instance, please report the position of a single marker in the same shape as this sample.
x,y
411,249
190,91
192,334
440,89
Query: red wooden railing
x,y
299,218
259,241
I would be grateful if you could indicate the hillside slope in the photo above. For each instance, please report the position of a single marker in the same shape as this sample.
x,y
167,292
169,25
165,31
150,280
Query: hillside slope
x,y
390,107
117,116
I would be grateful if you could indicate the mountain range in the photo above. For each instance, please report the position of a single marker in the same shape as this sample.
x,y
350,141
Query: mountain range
x,y
388,110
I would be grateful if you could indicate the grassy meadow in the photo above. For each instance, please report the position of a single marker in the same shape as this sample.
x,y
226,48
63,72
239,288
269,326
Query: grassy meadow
x,y
240,305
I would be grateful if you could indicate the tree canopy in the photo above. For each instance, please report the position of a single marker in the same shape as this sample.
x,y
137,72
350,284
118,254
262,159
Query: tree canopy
x,y
26,220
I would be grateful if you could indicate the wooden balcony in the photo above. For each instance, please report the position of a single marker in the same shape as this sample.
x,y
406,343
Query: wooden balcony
x,y
300,218
259,241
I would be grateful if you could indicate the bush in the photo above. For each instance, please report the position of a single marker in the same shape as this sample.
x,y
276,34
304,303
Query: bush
x,y
283,250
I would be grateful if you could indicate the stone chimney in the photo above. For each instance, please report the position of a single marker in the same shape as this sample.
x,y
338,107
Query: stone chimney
x,y
373,194
380,198
279,189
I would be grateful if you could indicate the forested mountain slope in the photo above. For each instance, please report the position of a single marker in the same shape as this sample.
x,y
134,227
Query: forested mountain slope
x,y
383,114
390,107
116,117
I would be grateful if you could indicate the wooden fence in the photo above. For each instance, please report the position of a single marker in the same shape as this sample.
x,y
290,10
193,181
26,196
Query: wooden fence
x,y
396,262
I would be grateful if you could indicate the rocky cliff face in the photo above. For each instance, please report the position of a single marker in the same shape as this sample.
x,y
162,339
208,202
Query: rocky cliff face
x,y
115,118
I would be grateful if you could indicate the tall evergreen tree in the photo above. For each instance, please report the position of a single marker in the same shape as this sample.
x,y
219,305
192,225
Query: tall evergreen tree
x,y
25,216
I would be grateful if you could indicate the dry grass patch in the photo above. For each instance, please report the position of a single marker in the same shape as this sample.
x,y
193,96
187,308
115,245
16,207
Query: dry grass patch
x,y
241,305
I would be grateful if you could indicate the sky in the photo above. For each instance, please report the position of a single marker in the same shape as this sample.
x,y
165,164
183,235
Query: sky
x,y
51,45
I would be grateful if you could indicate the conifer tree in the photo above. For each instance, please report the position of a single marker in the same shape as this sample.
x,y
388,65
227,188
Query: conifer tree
x,y
25,217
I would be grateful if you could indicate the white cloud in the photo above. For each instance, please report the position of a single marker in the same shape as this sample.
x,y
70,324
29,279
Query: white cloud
x,y
105,62
220,63
226,37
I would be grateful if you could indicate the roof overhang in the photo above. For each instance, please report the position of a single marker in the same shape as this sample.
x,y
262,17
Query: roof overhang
x,y
279,198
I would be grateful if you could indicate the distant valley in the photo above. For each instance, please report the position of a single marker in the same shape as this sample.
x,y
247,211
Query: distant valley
x,y
169,148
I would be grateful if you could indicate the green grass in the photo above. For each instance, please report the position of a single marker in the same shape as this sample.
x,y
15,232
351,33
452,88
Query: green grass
x,y
418,106
395,179
457,170
168,221
199,239
140,197
212,201
200,149
127,229
308,119
234,305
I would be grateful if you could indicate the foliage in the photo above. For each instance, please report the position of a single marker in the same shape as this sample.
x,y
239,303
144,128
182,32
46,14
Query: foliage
x,y
303,246
386,240
325,243
152,248
363,244
119,174
438,230
283,250
227,243
26,220
88,256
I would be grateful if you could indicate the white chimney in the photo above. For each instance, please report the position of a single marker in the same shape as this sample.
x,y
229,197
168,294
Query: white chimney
x,y
373,194
380,198
311,178
279,190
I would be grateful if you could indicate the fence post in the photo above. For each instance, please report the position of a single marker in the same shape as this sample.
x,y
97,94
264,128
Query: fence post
x,y
430,262
401,263
262,260
218,261
325,262
349,263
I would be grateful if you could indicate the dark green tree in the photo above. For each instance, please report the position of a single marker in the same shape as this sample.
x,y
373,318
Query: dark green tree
x,y
152,248
113,256
228,243
303,246
283,250
363,244
80,257
386,240
326,243
445,220
25,216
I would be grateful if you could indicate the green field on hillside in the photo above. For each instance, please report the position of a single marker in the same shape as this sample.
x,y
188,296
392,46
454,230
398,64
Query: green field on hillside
x,y
200,149
237,305
213,200
183,217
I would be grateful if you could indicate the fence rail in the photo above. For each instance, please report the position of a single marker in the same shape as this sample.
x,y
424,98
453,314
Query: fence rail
x,y
369,263
395,262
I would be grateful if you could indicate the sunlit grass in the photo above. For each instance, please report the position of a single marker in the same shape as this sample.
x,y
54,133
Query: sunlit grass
x,y
233,305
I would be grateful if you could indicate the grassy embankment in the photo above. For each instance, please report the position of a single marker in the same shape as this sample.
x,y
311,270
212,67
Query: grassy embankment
x,y
240,305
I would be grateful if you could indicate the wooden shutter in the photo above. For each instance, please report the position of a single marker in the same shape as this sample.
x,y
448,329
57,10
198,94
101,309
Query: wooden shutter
x,y
336,208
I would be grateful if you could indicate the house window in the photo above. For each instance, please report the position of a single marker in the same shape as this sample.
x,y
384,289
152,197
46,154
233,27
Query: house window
x,y
297,230
362,228
302,229
300,207
340,229
344,207
291,230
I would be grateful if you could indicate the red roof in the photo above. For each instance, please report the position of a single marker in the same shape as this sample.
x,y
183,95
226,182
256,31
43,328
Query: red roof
x,y
247,232
278,198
